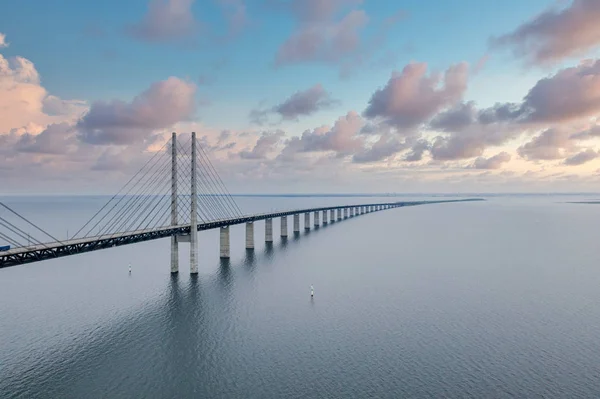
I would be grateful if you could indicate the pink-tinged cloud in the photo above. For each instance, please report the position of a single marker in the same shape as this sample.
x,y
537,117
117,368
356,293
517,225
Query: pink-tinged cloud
x,y
411,98
166,20
25,103
556,34
342,138
553,143
302,103
57,139
266,144
582,157
3,42
456,147
494,162
386,147
236,14
117,122
571,93
327,42
313,11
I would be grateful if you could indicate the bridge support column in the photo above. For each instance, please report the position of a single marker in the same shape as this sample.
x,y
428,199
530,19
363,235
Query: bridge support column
x,y
339,214
324,217
307,221
250,235
316,217
194,217
332,215
224,242
269,230
345,213
284,230
297,223
174,243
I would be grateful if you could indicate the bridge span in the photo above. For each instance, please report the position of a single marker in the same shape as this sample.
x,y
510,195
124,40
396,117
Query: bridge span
x,y
153,206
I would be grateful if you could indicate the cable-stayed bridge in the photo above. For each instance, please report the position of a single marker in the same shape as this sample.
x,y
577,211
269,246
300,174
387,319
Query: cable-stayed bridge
x,y
177,193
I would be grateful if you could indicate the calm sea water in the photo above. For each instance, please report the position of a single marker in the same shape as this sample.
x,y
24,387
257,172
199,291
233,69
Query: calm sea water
x,y
494,299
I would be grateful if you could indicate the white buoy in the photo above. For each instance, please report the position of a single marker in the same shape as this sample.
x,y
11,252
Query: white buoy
x,y
312,291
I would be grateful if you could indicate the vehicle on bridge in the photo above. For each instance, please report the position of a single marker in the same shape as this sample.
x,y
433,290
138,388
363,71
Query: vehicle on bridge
x,y
4,248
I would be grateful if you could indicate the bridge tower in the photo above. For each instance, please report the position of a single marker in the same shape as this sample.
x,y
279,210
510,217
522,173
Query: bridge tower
x,y
192,238
174,242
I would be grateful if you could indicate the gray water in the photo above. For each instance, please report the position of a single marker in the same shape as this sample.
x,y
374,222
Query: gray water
x,y
494,299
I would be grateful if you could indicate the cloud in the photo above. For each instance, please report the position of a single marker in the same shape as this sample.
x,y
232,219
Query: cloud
x,y
582,157
3,42
417,151
456,147
411,98
556,34
553,143
494,162
571,93
319,36
165,20
265,145
160,106
25,103
342,138
384,148
58,138
301,103
236,14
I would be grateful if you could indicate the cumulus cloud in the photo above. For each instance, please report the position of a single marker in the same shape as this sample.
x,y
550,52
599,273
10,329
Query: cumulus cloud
x,y
494,162
265,145
117,122
553,143
411,98
582,157
417,151
24,102
236,14
165,20
570,93
386,147
302,103
342,138
319,36
3,42
556,34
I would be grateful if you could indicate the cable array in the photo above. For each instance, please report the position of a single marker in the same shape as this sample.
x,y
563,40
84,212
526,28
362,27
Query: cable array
x,y
16,236
144,203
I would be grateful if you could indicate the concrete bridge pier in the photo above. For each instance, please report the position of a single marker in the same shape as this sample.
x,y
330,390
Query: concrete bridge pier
x,y
339,214
268,230
284,229
324,217
316,217
250,235
224,240
296,223
331,215
307,221
345,213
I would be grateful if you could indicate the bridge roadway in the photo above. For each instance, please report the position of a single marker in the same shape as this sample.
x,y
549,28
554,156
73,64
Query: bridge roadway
x,y
40,252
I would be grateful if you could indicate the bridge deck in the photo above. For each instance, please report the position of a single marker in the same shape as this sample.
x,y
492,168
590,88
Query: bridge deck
x,y
39,252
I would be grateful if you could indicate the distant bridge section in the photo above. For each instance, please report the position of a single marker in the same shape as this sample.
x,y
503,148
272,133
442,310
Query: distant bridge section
x,y
154,204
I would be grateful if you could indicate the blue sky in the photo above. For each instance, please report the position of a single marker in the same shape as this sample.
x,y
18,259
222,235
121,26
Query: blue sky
x,y
81,52
116,77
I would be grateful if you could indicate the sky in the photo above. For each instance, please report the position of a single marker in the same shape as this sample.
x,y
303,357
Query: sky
x,y
304,96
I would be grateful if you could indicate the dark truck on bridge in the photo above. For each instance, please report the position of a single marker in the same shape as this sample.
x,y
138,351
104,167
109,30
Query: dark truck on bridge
x,y
4,248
